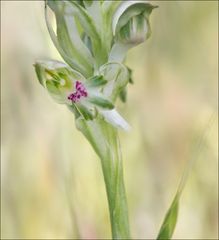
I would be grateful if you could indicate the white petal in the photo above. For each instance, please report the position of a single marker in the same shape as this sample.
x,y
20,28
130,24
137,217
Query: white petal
x,y
114,118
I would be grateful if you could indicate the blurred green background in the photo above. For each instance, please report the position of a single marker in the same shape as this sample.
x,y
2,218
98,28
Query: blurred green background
x,y
52,185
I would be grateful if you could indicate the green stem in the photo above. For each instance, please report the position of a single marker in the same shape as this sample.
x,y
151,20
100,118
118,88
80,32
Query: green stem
x,y
104,139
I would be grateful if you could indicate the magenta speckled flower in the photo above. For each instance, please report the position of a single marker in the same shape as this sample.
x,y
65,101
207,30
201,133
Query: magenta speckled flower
x,y
87,98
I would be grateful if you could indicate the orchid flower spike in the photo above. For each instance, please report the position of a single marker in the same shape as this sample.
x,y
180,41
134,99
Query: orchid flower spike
x,y
93,38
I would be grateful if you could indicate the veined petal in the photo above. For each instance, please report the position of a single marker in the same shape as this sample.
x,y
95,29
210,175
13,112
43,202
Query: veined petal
x,y
78,48
108,9
94,9
91,30
67,40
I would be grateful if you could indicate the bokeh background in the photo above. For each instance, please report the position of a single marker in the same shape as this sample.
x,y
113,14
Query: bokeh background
x,y
52,185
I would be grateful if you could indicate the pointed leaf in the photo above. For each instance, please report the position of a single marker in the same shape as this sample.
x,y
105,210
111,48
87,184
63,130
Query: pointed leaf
x,y
170,220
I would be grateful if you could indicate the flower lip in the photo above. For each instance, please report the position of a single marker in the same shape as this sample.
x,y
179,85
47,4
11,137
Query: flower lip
x,y
79,93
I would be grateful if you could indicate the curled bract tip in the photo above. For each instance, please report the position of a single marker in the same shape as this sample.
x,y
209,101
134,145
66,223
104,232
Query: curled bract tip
x,y
131,22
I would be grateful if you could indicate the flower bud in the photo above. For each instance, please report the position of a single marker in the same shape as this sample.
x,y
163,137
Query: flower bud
x,y
131,22
135,31
130,27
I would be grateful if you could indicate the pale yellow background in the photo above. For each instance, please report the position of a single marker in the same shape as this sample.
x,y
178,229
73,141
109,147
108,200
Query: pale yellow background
x,y
50,174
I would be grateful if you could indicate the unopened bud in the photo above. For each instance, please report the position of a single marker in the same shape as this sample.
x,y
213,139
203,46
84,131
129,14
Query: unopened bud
x,y
131,22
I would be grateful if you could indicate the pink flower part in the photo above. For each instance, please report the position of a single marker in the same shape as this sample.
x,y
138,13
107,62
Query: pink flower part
x,y
79,93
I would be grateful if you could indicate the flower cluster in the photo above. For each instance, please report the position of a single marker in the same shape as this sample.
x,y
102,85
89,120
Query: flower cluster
x,y
93,38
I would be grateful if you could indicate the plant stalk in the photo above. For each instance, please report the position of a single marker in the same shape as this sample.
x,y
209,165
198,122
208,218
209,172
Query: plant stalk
x,y
104,139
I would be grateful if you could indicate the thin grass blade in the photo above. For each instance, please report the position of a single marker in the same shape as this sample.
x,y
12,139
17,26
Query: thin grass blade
x,y
170,220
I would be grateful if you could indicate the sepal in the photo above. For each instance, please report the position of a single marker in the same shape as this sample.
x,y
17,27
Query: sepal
x,y
57,78
117,76
115,119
